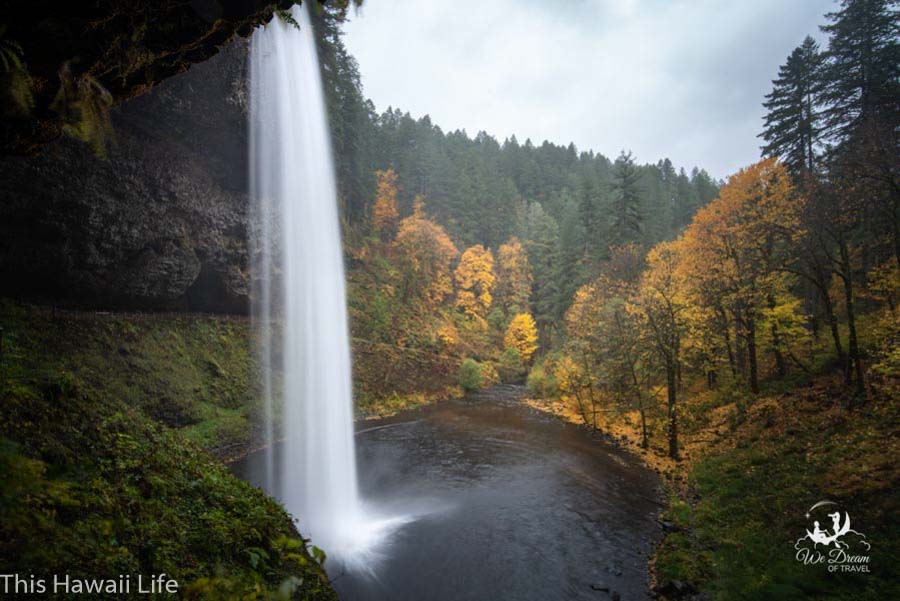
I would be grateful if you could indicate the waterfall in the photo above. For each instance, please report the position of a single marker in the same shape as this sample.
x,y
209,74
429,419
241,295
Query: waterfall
x,y
299,297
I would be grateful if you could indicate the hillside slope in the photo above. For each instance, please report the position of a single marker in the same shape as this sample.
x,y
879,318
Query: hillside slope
x,y
100,422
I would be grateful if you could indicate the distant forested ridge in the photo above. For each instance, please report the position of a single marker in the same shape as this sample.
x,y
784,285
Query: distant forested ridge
x,y
568,206
792,269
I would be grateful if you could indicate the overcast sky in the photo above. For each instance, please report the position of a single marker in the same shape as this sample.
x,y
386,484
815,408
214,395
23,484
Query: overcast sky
x,y
677,79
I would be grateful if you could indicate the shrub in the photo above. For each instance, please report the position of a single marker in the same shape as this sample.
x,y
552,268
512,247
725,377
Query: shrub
x,y
497,320
541,383
470,375
510,366
489,375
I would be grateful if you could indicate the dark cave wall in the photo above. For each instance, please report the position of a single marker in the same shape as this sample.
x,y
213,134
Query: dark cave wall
x,y
160,223
70,50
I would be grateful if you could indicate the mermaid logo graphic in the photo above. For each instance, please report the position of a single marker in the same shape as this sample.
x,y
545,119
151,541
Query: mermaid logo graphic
x,y
840,548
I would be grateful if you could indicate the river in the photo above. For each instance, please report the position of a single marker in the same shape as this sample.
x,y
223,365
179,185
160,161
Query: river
x,y
505,502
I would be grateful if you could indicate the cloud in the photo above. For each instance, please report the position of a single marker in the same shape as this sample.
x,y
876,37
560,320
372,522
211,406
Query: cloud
x,y
678,79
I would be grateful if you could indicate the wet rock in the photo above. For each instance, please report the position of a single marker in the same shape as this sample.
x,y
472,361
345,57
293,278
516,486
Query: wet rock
x,y
126,47
670,527
160,223
674,589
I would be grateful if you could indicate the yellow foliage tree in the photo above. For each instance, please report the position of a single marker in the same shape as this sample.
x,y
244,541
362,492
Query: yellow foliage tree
x,y
522,335
424,252
734,251
475,280
514,277
604,337
570,379
384,211
661,305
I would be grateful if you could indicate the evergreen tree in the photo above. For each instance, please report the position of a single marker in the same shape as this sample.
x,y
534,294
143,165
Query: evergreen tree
x,y
862,74
791,127
574,261
861,107
351,116
592,217
626,214
542,245
686,200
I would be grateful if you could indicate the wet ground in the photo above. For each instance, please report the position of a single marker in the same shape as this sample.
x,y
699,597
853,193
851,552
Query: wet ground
x,y
509,503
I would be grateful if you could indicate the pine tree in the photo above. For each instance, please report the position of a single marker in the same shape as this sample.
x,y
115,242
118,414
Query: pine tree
x,y
576,249
686,200
791,128
861,100
627,217
592,214
863,67
542,246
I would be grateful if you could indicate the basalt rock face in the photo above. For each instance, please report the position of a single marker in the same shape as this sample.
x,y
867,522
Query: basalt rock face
x,y
160,223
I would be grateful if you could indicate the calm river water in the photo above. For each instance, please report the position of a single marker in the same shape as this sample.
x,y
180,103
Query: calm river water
x,y
505,503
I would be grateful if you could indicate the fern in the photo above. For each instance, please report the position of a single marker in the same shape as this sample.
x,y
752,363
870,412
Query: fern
x,y
84,105
287,17
11,53
15,76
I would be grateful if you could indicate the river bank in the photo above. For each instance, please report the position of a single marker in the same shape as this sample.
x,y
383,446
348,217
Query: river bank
x,y
735,503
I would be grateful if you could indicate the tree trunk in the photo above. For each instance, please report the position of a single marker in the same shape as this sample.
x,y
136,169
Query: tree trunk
x,y
645,439
740,349
855,359
581,408
726,334
835,335
671,388
711,379
590,386
751,354
780,363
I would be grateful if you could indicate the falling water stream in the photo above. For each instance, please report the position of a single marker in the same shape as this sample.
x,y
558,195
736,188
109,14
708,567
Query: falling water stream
x,y
495,500
300,300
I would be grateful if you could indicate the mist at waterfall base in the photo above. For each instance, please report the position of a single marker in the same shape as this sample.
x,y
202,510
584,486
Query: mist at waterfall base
x,y
300,300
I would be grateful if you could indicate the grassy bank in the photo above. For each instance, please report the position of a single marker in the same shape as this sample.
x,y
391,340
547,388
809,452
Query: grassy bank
x,y
735,512
191,373
103,475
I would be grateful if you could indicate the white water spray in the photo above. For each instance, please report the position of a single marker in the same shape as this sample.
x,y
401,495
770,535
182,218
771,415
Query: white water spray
x,y
300,301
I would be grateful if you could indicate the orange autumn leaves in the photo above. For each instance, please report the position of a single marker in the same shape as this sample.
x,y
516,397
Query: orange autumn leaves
x,y
384,211
724,278
522,336
425,252
474,281
425,255
514,277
